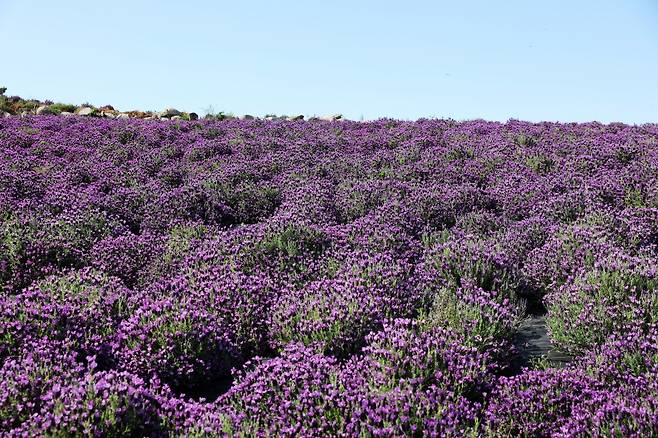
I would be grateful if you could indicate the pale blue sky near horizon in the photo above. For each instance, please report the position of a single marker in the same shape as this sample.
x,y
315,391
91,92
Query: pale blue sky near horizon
x,y
578,60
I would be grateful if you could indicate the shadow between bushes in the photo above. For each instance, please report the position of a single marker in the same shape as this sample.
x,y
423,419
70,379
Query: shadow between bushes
x,y
533,343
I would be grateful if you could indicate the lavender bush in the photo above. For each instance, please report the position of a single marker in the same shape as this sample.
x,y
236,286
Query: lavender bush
x,y
291,278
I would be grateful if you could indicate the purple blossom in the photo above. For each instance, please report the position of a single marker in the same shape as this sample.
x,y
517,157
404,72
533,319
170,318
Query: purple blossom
x,y
253,277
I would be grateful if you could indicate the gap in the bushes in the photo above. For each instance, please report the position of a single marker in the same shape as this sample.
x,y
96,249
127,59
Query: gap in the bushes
x,y
209,391
532,341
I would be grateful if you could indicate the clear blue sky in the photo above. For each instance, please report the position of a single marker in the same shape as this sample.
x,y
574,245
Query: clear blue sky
x,y
575,60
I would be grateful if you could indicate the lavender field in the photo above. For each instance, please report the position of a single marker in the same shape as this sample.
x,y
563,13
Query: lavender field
x,y
315,278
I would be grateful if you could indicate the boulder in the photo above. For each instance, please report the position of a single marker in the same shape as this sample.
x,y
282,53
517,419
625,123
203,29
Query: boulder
x,y
66,114
169,113
107,108
176,118
123,116
139,114
332,118
299,117
246,117
6,114
85,111
193,116
44,110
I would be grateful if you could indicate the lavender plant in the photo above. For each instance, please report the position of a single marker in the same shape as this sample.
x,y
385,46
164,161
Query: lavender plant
x,y
230,277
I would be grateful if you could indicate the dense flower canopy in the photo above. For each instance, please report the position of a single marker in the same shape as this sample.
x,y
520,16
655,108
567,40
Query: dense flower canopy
x,y
314,278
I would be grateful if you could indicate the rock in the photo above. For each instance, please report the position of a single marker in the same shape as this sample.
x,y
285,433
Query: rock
x,y
332,118
193,116
66,114
293,118
169,113
123,116
108,114
176,118
85,111
149,118
246,117
5,114
44,110
107,108
139,114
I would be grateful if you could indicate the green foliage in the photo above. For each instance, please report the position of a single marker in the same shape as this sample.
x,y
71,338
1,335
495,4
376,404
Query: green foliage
x,y
634,198
212,133
74,286
221,115
314,326
4,105
293,241
472,263
181,343
248,202
127,136
92,292
598,303
179,243
49,241
290,249
180,238
526,140
408,156
459,153
410,354
540,164
480,326
113,411
358,200
434,238
576,247
30,105
58,108
13,236
625,155
541,363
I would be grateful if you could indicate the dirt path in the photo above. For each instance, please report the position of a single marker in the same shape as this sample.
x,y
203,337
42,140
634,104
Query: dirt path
x,y
533,343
